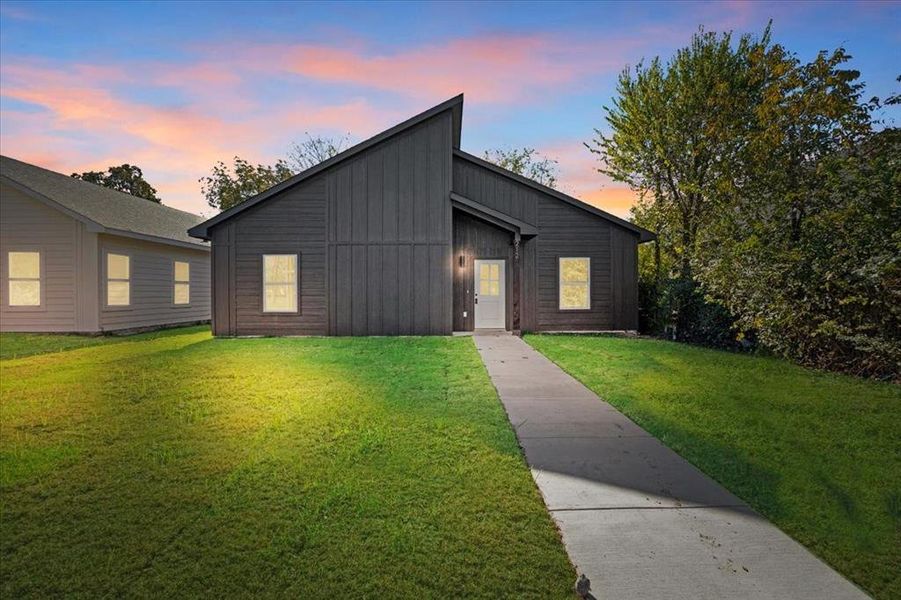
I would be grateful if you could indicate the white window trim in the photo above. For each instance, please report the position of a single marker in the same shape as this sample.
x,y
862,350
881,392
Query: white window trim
x,y
176,282
560,260
296,309
106,280
42,279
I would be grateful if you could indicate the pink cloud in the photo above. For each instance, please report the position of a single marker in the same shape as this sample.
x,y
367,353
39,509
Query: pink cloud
x,y
95,115
85,123
496,69
579,177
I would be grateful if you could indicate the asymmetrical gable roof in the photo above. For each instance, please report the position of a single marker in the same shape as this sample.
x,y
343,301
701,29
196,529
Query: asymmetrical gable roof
x,y
454,104
644,234
103,209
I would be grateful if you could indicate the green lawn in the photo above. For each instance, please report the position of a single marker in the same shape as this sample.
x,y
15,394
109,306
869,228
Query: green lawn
x,y
819,454
181,465
19,345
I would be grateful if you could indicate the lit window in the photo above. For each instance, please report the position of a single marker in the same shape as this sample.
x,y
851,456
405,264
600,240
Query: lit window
x,y
279,283
181,292
575,283
118,280
24,278
489,279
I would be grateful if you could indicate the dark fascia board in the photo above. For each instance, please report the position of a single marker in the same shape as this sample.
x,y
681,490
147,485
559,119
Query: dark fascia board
x,y
480,210
454,104
643,234
94,226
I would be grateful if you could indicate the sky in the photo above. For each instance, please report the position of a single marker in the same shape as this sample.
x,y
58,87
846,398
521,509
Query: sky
x,y
176,87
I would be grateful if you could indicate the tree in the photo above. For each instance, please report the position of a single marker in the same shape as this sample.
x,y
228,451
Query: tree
x,y
814,229
227,186
124,178
314,150
527,162
775,202
675,130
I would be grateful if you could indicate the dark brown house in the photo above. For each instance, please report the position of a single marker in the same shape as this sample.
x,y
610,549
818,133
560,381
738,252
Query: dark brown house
x,y
406,234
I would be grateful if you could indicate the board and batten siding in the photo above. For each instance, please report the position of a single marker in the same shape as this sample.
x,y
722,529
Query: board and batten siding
x,y
151,284
564,231
291,223
373,234
389,235
474,238
68,271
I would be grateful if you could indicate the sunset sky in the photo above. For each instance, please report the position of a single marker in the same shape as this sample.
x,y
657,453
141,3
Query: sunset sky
x,y
174,88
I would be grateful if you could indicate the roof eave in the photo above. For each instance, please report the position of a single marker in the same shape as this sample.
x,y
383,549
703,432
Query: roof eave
x,y
644,235
156,239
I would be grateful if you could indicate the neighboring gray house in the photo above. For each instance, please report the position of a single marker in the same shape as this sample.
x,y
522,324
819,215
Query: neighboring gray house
x,y
405,234
78,257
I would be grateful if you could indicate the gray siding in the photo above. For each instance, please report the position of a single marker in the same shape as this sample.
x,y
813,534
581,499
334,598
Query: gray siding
x,y
73,283
564,230
27,224
152,284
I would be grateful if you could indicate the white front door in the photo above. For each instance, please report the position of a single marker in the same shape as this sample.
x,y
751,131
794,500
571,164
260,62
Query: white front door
x,y
490,294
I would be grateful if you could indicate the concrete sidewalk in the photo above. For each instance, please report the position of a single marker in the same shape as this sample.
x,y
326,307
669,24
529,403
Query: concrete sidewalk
x,y
640,521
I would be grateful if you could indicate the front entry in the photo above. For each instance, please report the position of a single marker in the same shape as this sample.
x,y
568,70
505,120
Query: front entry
x,y
490,296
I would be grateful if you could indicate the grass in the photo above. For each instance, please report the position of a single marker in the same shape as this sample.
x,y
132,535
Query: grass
x,y
819,454
20,345
182,465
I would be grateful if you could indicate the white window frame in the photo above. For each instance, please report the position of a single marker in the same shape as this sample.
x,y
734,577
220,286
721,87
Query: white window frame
x,y
40,279
560,283
296,308
107,279
177,282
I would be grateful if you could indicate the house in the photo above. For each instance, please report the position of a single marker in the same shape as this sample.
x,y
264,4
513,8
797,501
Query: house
x,y
78,257
406,234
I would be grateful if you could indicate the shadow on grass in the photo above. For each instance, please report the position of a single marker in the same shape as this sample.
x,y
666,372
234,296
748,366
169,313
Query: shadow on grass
x,y
312,468
23,345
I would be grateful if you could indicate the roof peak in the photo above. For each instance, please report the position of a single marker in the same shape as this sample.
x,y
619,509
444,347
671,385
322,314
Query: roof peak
x,y
454,104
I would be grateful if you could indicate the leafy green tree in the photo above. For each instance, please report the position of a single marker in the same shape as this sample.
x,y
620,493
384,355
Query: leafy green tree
x,y
775,202
527,162
676,131
124,178
227,186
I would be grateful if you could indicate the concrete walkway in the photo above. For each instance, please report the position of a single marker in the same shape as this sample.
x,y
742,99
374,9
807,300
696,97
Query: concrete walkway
x,y
637,519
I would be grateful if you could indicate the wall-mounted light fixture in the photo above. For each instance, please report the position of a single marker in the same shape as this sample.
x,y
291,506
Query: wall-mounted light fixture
x,y
462,261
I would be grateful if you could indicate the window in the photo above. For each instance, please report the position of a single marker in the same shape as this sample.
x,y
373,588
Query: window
x,y
24,278
279,283
489,279
575,283
181,291
118,280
